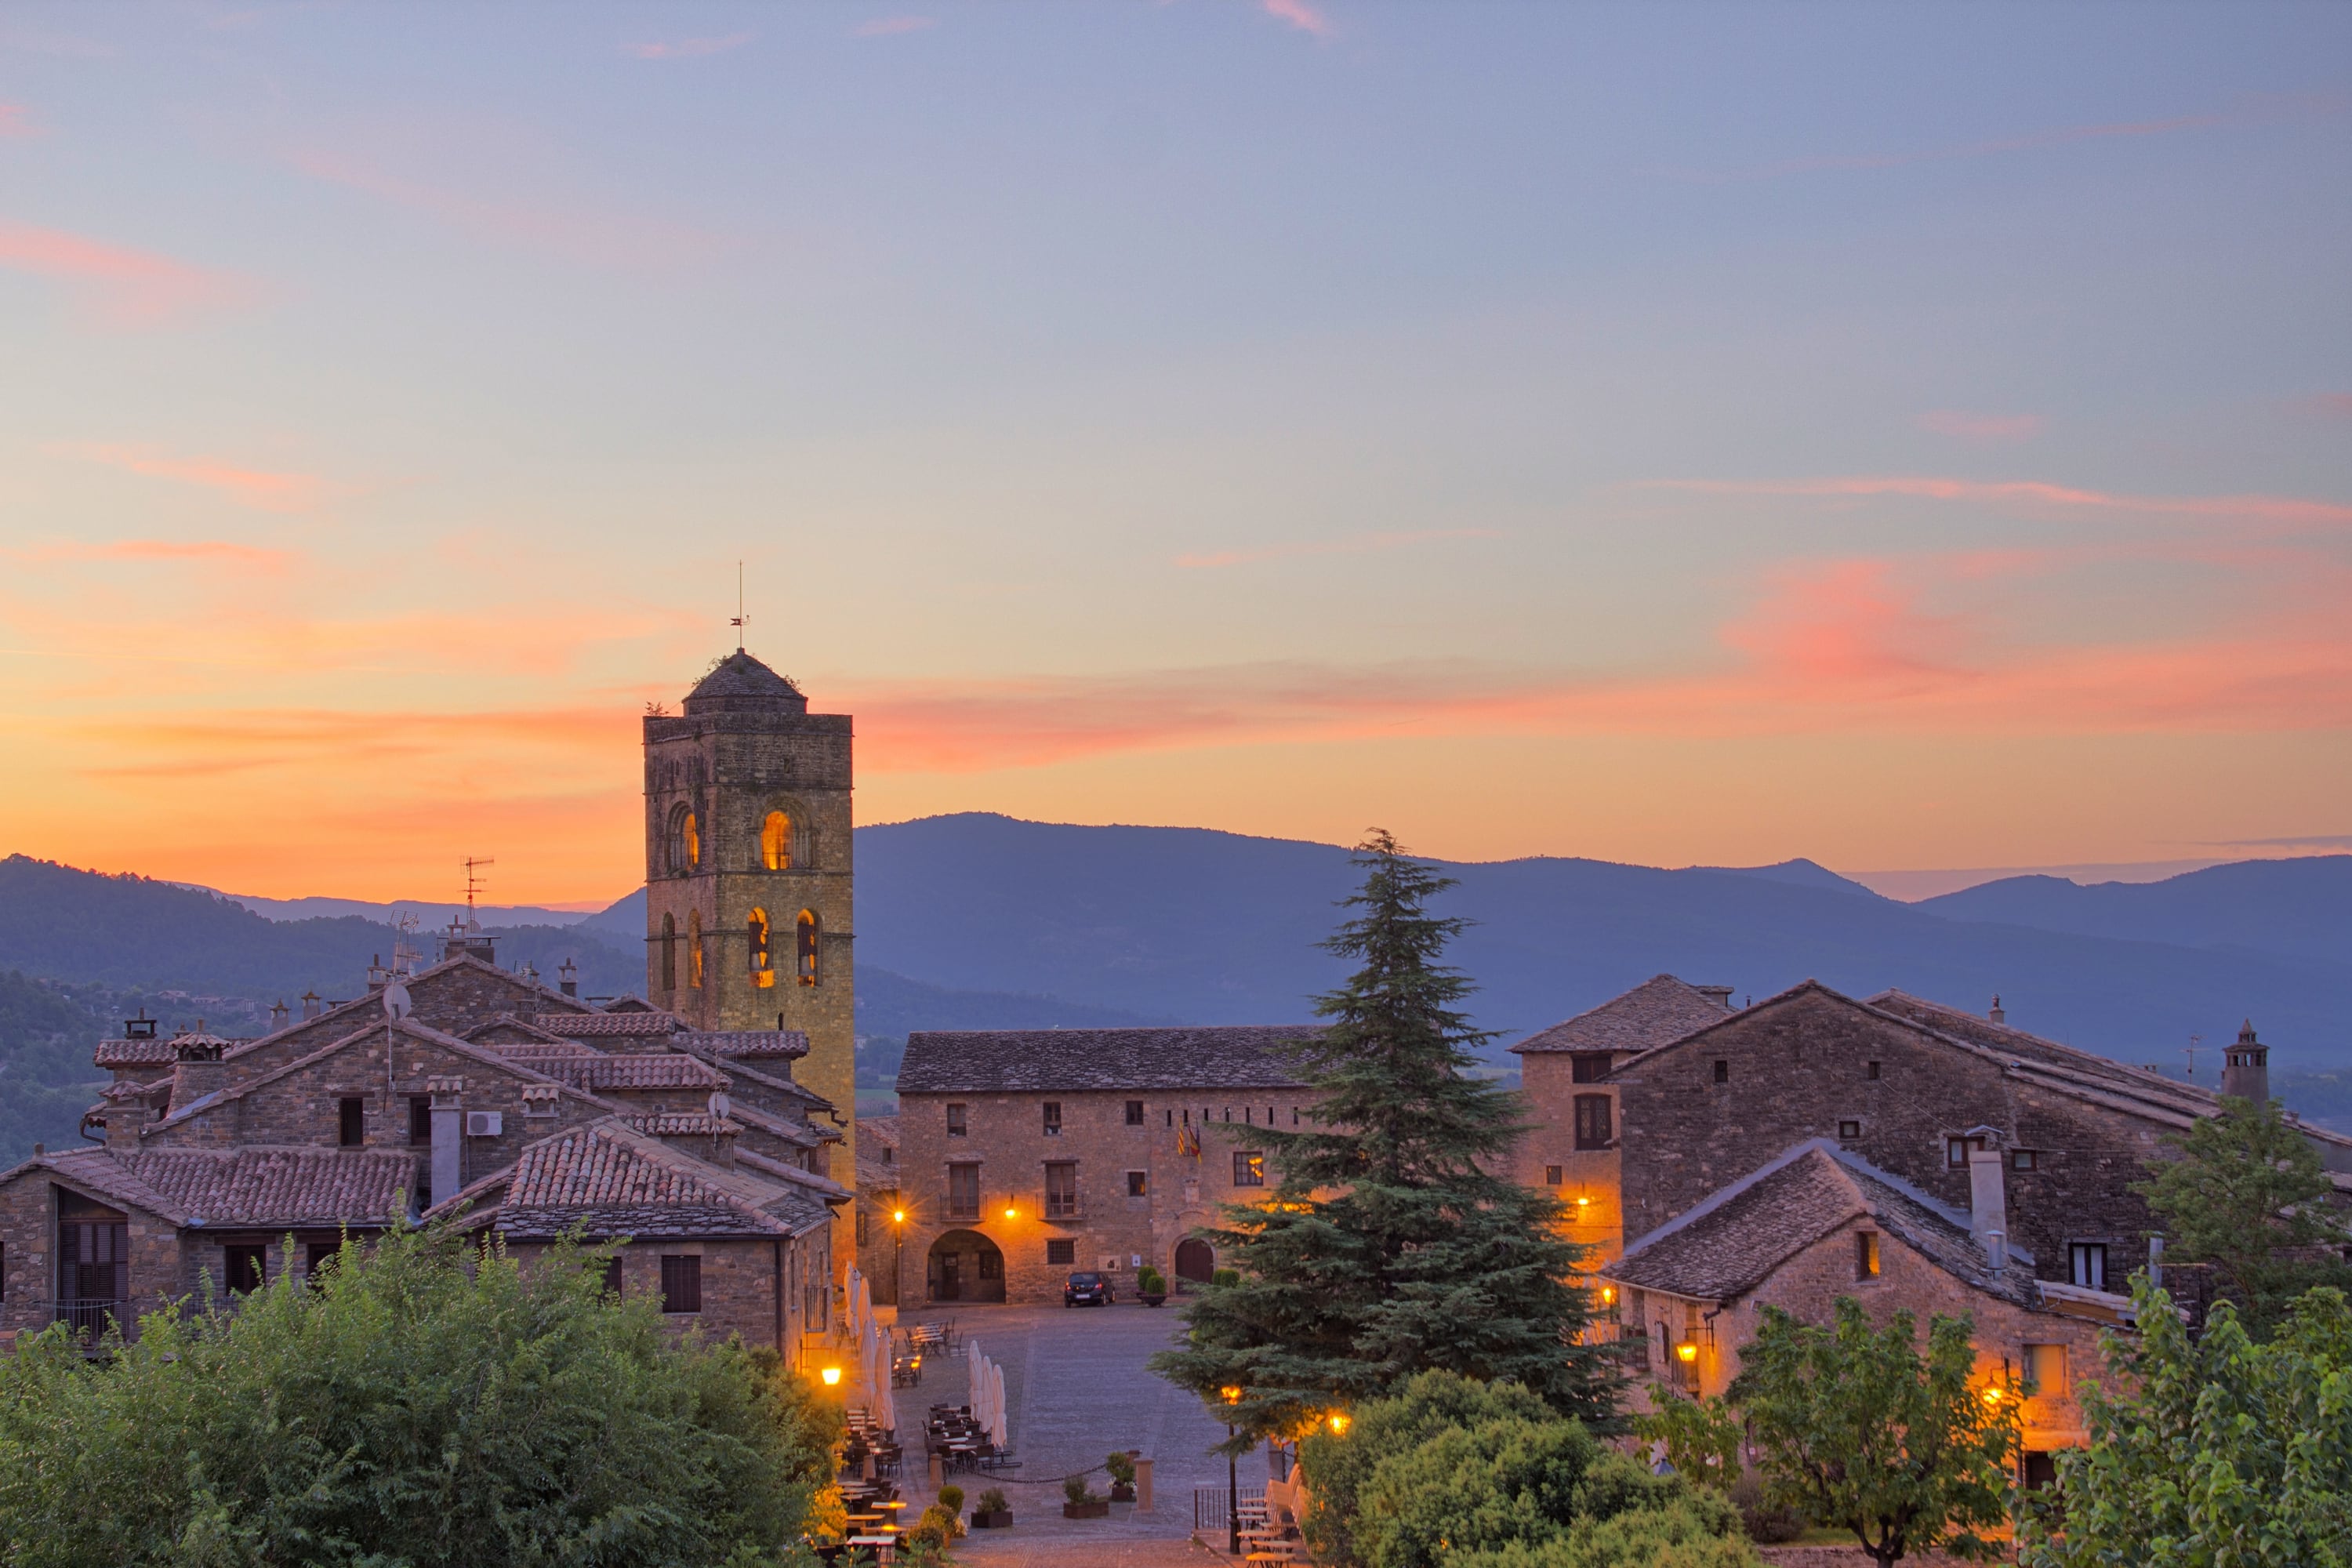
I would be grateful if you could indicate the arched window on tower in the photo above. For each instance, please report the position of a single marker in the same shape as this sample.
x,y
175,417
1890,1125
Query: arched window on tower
x,y
763,968
776,842
669,953
805,949
684,841
694,948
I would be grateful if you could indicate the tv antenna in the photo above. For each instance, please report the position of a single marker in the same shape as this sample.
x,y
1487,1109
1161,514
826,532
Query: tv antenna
x,y
740,618
2190,1050
474,884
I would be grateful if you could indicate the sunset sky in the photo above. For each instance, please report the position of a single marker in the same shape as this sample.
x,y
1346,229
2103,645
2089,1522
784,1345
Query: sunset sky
x,y
1907,438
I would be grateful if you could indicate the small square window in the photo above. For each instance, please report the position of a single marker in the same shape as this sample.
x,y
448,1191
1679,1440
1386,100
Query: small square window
x,y
1849,1130
1249,1168
956,1124
1138,1183
1866,1255
1722,1072
1135,1113
1956,1151
2088,1264
1587,1066
1873,1071
2024,1160
1061,1251
1551,1175
1053,1118
244,1267
681,1283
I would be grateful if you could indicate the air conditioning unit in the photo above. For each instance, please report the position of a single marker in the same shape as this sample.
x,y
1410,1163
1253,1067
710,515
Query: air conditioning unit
x,y
485,1123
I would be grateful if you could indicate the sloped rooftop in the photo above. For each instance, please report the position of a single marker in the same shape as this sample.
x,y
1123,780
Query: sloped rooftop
x,y
983,1061
1659,1011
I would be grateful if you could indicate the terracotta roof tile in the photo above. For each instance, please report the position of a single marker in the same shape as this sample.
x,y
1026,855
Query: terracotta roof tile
x,y
749,1045
683,1124
980,1061
611,1180
597,1026
135,1054
1659,1011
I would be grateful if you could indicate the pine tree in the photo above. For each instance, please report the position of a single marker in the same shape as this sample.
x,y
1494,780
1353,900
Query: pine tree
x,y
1393,1240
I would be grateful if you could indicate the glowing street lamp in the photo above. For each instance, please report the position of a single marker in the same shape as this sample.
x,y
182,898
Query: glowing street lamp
x,y
832,1376
1232,1396
1338,1423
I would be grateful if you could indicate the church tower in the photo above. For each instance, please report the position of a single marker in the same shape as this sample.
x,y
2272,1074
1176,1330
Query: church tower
x,y
748,875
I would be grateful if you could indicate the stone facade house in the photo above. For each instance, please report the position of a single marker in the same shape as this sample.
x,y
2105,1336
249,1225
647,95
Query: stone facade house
x,y
1818,1222
1025,1154
880,1207
454,1087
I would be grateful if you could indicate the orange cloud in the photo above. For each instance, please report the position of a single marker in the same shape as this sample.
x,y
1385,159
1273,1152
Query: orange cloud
x,y
120,288
2031,495
687,49
597,237
1361,544
262,492
1981,426
891,26
1300,15
208,551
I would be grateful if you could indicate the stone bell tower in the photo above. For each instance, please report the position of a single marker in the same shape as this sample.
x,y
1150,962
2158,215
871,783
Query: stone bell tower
x,y
748,874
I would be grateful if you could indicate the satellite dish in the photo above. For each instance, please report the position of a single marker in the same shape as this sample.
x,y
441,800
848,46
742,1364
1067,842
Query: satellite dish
x,y
720,1104
395,999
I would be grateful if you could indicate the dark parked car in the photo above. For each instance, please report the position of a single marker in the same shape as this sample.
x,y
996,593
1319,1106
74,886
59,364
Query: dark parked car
x,y
1087,1291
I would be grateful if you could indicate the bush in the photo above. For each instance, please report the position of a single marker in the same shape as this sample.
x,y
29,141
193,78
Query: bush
x,y
952,1498
1121,1468
1339,1466
1768,1524
1075,1489
1150,1282
992,1500
1684,1535
419,1403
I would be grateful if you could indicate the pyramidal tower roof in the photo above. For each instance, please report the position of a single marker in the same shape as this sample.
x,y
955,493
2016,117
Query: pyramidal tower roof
x,y
742,684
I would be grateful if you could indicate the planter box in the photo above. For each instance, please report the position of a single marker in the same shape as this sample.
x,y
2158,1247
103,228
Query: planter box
x,y
1001,1519
1156,1298
1123,1492
1085,1510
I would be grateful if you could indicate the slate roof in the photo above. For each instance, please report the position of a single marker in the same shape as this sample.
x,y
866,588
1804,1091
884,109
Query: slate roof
x,y
799,1134
741,683
371,1006
595,1071
1659,1011
592,1026
781,1083
1730,1243
983,1061
611,1180
231,1188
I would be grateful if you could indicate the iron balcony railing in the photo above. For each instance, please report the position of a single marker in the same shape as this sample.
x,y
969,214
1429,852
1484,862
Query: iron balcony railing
x,y
90,1316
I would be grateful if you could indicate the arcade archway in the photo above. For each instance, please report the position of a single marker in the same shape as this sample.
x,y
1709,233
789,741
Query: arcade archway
x,y
964,1266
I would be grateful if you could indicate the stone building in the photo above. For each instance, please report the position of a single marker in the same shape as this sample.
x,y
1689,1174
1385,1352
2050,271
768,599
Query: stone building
x,y
215,1164
1025,1154
749,917
1818,1222
1574,1149
881,1206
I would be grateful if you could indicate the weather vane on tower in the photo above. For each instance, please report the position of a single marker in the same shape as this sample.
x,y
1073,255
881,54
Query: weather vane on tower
x,y
740,618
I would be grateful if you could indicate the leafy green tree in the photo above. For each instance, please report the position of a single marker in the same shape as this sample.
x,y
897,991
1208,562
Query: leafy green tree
x,y
1393,1242
1854,1426
2247,1190
1703,1437
421,1405
2218,1450
1451,1469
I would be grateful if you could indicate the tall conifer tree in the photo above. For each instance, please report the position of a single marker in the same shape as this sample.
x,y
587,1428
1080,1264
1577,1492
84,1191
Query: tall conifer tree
x,y
1392,1239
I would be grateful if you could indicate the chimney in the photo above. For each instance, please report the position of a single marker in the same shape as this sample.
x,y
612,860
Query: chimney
x,y
310,1005
1988,1206
124,1117
449,1135
1721,993
199,1069
277,1014
143,1027
2246,1067
569,978
1997,1014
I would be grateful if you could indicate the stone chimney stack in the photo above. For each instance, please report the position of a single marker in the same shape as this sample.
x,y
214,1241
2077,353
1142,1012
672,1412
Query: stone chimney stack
x,y
2246,1067
1998,1015
568,976
1988,1206
124,1119
1722,994
449,1135
310,1005
199,1070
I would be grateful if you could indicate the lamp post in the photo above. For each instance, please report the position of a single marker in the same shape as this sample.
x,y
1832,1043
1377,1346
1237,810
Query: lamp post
x,y
897,1253
1233,1479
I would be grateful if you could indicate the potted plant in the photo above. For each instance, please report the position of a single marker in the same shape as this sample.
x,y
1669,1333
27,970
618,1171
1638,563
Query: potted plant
x,y
950,1503
1151,1285
993,1512
1122,1477
1083,1504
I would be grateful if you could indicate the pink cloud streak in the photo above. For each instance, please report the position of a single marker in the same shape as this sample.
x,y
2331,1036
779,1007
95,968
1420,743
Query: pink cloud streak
x,y
208,551
254,487
121,288
2028,495
687,49
16,120
1300,15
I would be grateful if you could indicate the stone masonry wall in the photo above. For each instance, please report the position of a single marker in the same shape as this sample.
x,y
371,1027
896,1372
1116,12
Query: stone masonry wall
x,y
1799,1066
1182,1193
1590,1181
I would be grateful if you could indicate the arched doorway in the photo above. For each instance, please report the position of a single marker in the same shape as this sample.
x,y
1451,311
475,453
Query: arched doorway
x,y
1196,1261
964,1266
